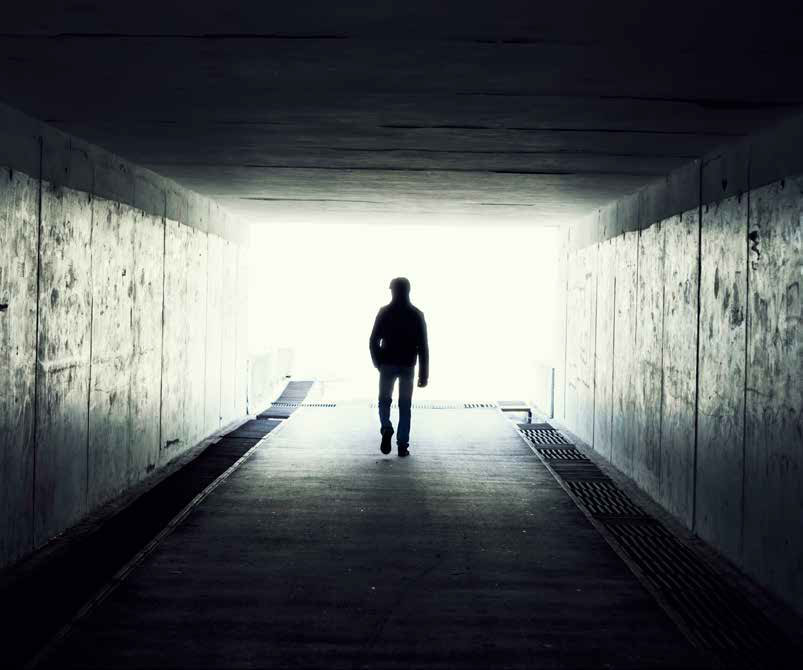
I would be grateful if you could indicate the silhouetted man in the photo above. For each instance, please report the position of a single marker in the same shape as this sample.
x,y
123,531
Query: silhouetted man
x,y
398,337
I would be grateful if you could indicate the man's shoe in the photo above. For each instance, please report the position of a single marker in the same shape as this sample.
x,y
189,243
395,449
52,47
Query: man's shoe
x,y
404,450
387,434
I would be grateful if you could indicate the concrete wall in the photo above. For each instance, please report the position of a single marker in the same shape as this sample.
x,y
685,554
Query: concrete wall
x,y
691,290
122,327
268,372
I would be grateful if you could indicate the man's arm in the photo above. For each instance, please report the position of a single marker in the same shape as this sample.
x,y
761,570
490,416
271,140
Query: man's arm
x,y
375,339
423,354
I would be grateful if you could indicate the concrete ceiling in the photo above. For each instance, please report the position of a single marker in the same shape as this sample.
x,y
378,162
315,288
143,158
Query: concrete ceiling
x,y
449,111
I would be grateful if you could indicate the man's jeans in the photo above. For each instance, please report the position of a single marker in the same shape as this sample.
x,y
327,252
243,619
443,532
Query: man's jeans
x,y
387,378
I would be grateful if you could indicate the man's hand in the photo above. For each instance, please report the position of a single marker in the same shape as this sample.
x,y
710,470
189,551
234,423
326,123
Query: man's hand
x,y
422,383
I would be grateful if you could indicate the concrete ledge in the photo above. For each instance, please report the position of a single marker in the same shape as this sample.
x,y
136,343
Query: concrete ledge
x,y
114,178
627,214
177,204
608,221
218,219
731,170
725,173
68,161
683,189
653,203
66,165
149,194
776,153
19,141
198,212
678,192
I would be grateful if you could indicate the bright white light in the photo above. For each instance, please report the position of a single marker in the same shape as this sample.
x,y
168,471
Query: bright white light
x,y
488,294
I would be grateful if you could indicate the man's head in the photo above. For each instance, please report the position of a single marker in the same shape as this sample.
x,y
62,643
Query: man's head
x,y
400,289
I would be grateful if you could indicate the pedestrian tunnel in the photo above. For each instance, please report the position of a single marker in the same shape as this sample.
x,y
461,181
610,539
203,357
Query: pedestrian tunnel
x,y
599,210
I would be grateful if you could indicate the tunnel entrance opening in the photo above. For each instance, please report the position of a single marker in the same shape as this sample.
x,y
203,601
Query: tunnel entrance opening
x,y
488,294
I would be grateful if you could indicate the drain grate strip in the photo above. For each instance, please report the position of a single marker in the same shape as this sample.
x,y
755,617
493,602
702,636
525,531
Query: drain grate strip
x,y
716,614
577,470
303,404
562,454
713,614
538,436
416,405
291,399
603,498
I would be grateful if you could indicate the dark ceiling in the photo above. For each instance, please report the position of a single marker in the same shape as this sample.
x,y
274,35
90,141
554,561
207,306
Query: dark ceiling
x,y
383,111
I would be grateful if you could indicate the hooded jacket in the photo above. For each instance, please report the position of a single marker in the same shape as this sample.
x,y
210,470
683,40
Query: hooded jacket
x,y
399,336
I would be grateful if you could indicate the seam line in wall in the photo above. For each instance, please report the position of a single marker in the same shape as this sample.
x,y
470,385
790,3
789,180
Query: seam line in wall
x,y
236,319
222,325
206,331
697,346
133,288
663,374
613,363
566,323
36,342
746,345
162,352
633,373
596,326
91,328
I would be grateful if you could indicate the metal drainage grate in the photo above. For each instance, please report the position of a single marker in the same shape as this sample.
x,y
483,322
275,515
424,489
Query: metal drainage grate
x,y
291,399
539,436
603,498
254,429
713,613
417,405
480,405
562,454
303,404
577,470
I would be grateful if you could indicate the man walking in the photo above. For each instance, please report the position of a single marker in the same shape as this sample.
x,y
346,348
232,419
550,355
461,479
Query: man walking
x,y
398,337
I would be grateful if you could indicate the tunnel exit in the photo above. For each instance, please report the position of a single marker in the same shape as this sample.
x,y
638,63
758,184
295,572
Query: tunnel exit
x,y
488,294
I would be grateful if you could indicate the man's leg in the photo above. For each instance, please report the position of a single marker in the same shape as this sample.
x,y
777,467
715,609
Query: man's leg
x,y
387,379
405,403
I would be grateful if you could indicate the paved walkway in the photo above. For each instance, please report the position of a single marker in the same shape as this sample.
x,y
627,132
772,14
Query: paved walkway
x,y
320,552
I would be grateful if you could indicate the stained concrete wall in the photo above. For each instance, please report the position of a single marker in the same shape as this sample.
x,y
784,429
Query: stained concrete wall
x,y
266,374
697,388
63,360
19,214
679,367
603,347
623,389
123,343
580,340
214,333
